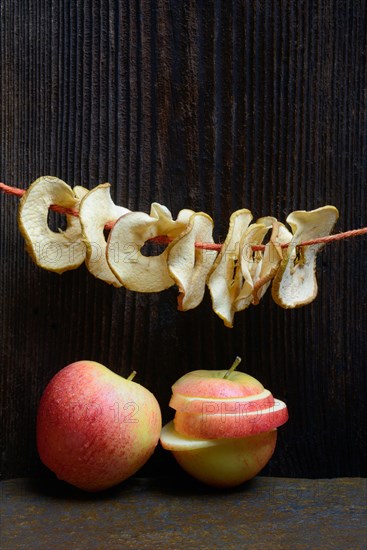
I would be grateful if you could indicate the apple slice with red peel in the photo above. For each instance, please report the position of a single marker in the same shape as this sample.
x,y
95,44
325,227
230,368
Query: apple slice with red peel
x,y
220,463
233,421
212,405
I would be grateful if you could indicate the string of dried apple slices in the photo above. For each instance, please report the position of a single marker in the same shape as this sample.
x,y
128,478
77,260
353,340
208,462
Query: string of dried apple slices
x,y
238,272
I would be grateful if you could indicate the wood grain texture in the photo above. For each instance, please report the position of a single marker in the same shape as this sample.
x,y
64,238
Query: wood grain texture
x,y
212,105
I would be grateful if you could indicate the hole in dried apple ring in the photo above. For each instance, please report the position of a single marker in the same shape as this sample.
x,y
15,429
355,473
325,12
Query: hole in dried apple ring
x,y
299,258
153,247
56,221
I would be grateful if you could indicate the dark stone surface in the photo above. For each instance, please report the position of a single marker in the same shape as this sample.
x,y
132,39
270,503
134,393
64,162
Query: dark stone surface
x,y
167,513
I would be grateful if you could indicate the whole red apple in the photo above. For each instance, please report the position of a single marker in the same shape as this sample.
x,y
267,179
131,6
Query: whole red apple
x,y
95,428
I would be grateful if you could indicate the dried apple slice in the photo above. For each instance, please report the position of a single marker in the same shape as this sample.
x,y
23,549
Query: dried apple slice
x,y
272,257
295,283
189,266
225,279
134,270
184,216
80,192
96,210
250,263
167,225
55,251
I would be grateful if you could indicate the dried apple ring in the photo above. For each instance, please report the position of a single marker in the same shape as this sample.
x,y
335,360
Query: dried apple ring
x,y
134,270
295,283
167,225
272,257
225,280
96,210
188,265
55,251
250,262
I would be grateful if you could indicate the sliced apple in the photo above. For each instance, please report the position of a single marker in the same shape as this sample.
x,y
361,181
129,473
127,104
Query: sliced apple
x,y
55,251
134,270
220,462
250,419
224,429
189,266
97,210
295,283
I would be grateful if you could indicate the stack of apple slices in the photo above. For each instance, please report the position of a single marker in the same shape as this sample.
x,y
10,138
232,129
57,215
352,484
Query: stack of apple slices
x,y
224,430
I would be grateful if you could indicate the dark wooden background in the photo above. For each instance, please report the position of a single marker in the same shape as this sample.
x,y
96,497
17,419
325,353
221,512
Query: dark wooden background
x,y
209,105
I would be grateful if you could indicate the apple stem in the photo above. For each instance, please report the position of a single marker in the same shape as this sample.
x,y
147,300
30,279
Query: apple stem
x,y
234,365
131,375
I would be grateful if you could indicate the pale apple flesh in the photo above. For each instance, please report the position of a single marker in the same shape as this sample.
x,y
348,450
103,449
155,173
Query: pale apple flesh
x,y
95,428
220,463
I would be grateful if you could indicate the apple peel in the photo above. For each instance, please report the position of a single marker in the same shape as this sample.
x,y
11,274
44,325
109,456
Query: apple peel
x,y
95,428
55,251
97,210
189,266
295,282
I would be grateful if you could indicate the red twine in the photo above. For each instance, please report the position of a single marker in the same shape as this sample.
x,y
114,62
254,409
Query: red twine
x,y
205,246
